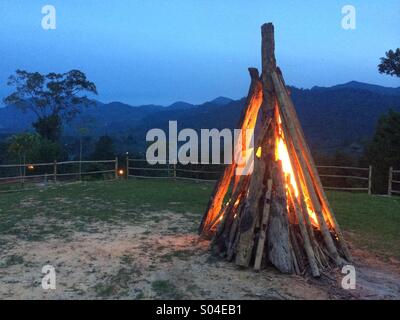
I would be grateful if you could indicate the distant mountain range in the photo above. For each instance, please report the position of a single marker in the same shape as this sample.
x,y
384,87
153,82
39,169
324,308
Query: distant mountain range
x,y
339,117
363,86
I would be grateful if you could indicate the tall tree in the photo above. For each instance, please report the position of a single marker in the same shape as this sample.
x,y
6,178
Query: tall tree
x,y
384,149
390,64
53,97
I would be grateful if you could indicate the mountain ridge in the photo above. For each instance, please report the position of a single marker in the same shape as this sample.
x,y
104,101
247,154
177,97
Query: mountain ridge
x,y
333,118
362,86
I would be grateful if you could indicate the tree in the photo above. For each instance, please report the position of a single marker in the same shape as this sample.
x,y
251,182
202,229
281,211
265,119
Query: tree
x,y
384,149
104,149
48,151
22,146
53,97
3,151
85,125
391,63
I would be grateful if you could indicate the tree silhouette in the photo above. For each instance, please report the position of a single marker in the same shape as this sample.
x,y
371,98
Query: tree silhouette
x,y
391,63
53,97
384,149
22,146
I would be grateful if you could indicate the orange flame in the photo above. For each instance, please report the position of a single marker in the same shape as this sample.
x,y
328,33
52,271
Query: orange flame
x,y
282,154
216,212
249,122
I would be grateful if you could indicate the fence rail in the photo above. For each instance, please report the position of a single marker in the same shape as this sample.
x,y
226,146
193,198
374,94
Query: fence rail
x,y
352,177
54,171
172,171
392,183
140,168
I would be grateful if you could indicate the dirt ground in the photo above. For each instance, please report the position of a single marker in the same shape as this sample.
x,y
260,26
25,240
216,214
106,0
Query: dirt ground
x,y
155,259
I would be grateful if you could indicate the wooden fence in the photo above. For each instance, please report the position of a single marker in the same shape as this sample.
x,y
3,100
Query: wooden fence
x,y
134,169
393,184
139,168
22,174
349,175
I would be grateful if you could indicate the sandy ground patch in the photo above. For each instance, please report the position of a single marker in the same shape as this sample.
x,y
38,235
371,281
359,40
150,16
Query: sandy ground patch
x,y
165,259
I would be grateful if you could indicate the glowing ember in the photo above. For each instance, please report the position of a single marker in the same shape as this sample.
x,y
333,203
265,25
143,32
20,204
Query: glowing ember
x,y
259,152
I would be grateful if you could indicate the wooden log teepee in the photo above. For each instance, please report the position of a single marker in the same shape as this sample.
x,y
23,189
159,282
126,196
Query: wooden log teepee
x,y
278,214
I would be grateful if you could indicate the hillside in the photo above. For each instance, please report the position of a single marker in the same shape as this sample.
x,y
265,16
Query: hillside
x,y
338,117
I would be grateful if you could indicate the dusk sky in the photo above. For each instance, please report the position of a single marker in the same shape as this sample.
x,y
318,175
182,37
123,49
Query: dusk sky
x,y
143,52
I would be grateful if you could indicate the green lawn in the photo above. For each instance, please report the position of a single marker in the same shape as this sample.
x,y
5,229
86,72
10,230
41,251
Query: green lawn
x,y
373,222
56,211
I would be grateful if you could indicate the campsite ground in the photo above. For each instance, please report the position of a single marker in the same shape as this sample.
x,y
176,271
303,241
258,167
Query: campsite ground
x,y
137,239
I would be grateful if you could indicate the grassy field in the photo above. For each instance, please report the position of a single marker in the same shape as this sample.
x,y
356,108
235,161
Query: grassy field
x,y
372,222
28,214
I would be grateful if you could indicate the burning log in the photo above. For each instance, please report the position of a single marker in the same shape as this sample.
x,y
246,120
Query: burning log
x,y
263,227
247,121
279,249
323,219
250,214
278,214
279,82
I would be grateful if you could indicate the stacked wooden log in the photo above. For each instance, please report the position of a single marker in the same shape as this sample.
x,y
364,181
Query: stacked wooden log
x,y
278,214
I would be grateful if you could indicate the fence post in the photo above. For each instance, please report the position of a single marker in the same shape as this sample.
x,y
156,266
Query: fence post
x,y
22,173
55,171
390,181
127,166
116,168
80,169
370,180
174,167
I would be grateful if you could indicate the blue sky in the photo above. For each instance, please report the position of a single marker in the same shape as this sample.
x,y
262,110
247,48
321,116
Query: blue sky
x,y
145,51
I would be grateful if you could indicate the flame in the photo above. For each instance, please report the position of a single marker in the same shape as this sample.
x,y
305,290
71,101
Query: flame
x,y
294,191
259,152
282,154
249,122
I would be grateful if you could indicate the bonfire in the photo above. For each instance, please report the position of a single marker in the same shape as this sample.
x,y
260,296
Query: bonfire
x,y
278,214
